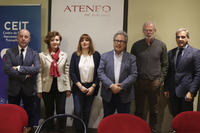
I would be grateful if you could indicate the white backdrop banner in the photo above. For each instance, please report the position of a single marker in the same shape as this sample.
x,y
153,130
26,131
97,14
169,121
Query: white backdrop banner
x,y
100,19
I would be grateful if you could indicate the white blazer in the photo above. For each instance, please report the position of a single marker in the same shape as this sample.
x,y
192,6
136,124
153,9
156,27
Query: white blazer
x,y
44,79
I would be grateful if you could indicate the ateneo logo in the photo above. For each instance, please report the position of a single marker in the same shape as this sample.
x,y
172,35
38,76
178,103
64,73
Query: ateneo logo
x,y
87,8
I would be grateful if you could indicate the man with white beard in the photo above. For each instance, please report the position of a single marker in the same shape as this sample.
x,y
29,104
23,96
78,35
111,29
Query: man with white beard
x,y
152,65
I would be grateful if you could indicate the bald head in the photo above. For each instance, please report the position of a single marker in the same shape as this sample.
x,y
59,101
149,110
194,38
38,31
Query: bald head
x,y
23,38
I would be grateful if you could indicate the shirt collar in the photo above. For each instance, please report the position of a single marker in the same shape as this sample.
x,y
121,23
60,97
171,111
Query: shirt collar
x,y
119,54
183,47
21,48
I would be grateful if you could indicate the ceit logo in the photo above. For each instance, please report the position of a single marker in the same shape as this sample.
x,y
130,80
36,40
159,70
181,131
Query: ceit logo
x,y
93,10
2,101
3,52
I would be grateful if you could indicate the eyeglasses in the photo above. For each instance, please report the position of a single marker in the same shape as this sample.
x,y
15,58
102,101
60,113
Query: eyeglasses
x,y
119,41
148,31
182,37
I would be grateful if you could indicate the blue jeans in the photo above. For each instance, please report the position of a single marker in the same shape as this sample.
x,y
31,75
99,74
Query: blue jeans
x,y
82,107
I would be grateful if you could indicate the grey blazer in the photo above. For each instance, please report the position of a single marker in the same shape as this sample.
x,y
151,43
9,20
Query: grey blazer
x,y
17,79
128,76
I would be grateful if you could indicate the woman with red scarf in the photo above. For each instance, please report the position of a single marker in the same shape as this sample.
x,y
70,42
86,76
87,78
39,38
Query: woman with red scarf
x,y
53,81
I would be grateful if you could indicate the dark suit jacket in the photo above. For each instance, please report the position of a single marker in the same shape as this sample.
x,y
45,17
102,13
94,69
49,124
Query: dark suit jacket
x,y
186,77
75,74
128,76
17,79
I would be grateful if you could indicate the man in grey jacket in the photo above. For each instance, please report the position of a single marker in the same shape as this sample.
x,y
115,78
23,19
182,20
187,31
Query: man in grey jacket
x,y
21,64
118,72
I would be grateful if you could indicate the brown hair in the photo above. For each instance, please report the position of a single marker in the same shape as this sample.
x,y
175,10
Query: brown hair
x,y
91,48
50,35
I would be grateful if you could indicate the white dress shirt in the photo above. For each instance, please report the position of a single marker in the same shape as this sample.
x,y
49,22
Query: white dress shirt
x,y
24,53
117,65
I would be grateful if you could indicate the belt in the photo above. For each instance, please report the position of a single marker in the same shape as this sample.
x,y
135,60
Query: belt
x,y
85,84
146,78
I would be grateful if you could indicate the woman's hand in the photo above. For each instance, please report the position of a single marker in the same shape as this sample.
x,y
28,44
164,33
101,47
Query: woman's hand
x,y
68,93
90,91
39,95
84,90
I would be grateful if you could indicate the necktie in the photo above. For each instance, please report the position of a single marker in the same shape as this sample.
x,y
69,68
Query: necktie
x,y
21,57
179,56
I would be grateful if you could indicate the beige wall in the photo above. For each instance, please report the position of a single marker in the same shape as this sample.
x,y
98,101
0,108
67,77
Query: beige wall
x,y
169,16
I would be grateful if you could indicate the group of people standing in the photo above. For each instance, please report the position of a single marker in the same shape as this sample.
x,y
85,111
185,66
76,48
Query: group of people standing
x,y
142,71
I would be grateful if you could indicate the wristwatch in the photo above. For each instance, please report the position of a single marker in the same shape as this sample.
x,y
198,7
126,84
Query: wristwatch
x,y
16,69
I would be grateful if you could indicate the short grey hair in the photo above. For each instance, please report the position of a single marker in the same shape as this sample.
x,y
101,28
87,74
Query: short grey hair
x,y
183,29
150,22
121,33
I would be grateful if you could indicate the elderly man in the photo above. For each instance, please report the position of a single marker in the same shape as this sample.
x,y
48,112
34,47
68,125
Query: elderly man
x,y
152,64
183,78
21,64
117,72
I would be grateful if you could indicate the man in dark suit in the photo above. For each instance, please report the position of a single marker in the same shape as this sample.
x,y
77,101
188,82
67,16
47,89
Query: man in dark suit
x,y
183,78
117,72
21,64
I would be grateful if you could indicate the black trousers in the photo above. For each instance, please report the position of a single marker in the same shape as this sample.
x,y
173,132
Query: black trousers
x,y
179,105
28,102
53,99
115,104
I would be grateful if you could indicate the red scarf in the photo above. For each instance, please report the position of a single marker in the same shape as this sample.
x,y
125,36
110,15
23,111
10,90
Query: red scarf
x,y
54,66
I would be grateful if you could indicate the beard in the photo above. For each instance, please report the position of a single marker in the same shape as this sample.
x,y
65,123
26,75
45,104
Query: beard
x,y
150,36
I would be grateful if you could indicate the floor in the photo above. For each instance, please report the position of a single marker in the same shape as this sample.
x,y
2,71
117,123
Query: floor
x,y
72,130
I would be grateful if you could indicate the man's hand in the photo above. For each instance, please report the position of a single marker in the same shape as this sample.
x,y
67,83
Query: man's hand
x,y
15,67
28,76
166,94
189,97
156,83
116,88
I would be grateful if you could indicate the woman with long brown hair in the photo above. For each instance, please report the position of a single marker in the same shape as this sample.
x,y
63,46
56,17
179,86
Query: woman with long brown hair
x,y
83,73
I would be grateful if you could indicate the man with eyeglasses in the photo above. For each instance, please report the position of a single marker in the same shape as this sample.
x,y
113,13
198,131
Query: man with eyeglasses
x,y
183,78
118,72
152,64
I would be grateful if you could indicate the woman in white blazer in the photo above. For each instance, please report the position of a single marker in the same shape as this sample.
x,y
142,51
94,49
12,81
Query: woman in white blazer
x,y
53,81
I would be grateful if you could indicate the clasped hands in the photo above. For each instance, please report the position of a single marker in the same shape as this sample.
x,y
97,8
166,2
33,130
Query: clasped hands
x,y
89,91
116,88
